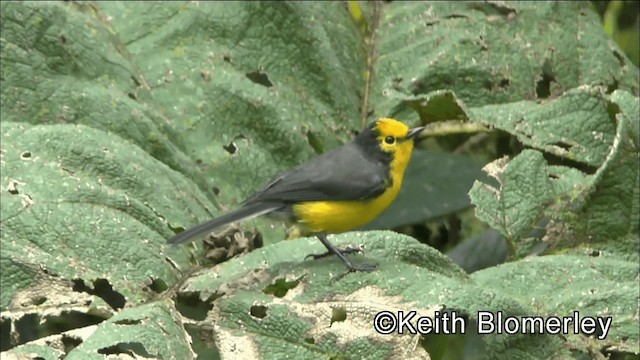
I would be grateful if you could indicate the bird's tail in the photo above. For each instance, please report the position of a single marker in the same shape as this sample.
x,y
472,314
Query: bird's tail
x,y
244,213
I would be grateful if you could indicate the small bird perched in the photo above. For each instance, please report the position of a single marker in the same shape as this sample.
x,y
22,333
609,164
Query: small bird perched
x,y
335,192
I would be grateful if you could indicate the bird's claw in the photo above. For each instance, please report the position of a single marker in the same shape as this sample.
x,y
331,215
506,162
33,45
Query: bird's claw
x,y
366,267
347,250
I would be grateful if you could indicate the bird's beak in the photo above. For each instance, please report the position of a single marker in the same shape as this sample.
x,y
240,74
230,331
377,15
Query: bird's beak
x,y
413,132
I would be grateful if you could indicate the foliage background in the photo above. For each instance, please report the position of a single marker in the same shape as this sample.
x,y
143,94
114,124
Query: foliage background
x,y
123,123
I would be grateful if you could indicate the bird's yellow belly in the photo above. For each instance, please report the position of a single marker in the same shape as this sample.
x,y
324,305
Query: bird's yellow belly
x,y
340,216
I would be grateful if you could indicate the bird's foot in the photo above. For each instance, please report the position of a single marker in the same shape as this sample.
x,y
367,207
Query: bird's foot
x,y
347,250
340,253
366,267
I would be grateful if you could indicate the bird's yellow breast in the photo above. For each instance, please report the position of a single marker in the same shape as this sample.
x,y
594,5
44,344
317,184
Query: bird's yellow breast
x,y
340,216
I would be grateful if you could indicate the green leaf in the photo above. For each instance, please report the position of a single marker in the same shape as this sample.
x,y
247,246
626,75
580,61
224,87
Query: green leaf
x,y
123,123
493,53
32,351
586,208
615,182
411,276
575,126
152,330
80,196
256,78
558,285
523,193
56,71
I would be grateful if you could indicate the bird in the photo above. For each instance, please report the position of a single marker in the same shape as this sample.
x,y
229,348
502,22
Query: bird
x,y
335,192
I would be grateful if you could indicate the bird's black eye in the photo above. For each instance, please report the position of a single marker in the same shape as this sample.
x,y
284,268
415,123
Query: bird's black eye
x,y
389,140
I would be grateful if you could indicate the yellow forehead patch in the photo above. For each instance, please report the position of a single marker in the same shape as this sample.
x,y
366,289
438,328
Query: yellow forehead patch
x,y
391,127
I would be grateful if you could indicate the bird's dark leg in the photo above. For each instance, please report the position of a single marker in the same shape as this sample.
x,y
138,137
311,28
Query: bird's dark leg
x,y
341,254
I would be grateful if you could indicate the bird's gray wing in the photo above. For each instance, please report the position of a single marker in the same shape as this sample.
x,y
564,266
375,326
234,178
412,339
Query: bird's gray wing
x,y
342,174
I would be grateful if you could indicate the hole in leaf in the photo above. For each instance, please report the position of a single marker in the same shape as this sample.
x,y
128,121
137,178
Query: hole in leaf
x,y
543,86
130,348
13,188
553,159
190,305
417,86
39,300
456,16
613,86
69,320
27,328
216,190
310,340
231,148
491,9
504,83
135,80
25,155
613,110
396,82
132,96
595,253
338,314
32,327
103,289
563,144
280,287
128,322
226,58
258,242
70,342
5,334
259,78
259,311
620,58
370,114
203,343
315,143
158,286
63,39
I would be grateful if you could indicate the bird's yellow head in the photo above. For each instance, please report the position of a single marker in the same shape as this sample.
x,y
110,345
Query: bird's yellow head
x,y
390,141
392,135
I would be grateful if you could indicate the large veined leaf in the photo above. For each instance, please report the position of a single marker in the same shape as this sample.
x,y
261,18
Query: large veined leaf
x,y
412,276
530,188
124,123
494,53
